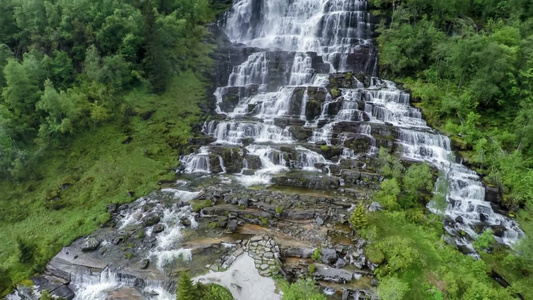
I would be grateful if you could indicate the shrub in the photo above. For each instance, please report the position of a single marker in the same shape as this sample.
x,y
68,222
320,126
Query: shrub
x,y
358,219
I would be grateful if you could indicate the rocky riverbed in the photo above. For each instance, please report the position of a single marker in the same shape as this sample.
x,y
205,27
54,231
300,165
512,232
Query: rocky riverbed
x,y
139,253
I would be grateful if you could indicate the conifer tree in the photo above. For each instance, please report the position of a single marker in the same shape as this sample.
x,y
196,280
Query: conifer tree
x,y
186,289
358,219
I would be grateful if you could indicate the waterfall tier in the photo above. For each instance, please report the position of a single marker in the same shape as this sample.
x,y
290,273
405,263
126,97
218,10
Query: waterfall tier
x,y
287,107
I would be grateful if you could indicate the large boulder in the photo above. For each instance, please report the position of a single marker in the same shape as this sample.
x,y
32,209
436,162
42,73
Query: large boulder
x,y
90,244
328,255
151,220
326,273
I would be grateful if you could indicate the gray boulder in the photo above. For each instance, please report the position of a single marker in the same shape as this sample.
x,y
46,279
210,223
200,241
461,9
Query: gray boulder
x,y
150,220
329,256
90,244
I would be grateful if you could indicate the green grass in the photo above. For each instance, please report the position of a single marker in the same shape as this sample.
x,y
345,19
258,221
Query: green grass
x,y
100,169
437,266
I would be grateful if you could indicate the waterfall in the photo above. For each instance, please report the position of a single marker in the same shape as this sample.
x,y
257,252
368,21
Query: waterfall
x,y
297,47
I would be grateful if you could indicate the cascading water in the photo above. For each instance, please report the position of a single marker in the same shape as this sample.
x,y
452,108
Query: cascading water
x,y
275,89
466,206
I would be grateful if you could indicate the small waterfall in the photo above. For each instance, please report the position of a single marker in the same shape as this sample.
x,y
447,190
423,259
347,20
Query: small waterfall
x,y
197,163
304,105
467,206
99,286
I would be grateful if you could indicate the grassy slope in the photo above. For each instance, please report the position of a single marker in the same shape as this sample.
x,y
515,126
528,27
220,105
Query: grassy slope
x,y
102,170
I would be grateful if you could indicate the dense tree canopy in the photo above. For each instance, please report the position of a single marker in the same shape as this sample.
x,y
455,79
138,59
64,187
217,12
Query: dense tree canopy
x,y
64,64
469,66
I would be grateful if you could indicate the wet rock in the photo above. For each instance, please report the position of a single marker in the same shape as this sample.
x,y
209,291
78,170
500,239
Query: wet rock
x,y
63,292
314,182
300,133
375,206
298,252
151,220
332,274
185,221
90,244
328,255
300,214
232,225
374,282
158,228
350,176
319,221
254,162
499,230
145,263
139,283
117,240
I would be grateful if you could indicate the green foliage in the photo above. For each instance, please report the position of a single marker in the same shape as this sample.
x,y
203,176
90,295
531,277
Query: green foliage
x,y
358,218
469,66
374,254
45,295
438,200
388,194
316,254
399,254
390,166
186,289
302,289
67,65
485,240
311,269
392,288
26,251
335,92
417,177
198,205
99,174
215,292
279,209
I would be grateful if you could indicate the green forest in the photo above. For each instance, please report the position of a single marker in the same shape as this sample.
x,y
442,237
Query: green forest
x,y
83,85
98,97
469,66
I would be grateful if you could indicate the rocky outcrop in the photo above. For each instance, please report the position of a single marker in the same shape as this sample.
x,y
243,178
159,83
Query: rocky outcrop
x,y
308,181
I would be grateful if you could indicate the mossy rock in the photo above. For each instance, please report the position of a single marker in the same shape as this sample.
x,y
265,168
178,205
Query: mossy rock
x,y
198,205
374,254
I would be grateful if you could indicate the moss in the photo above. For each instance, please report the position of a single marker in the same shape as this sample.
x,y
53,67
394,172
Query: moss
x,y
128,255
198,205
335,92
316,254
324,148
213,225
279,209
264,221
311,269
374,254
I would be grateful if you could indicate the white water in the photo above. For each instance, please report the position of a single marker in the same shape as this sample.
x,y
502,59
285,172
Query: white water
x,y
466,194
165,251
333,30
